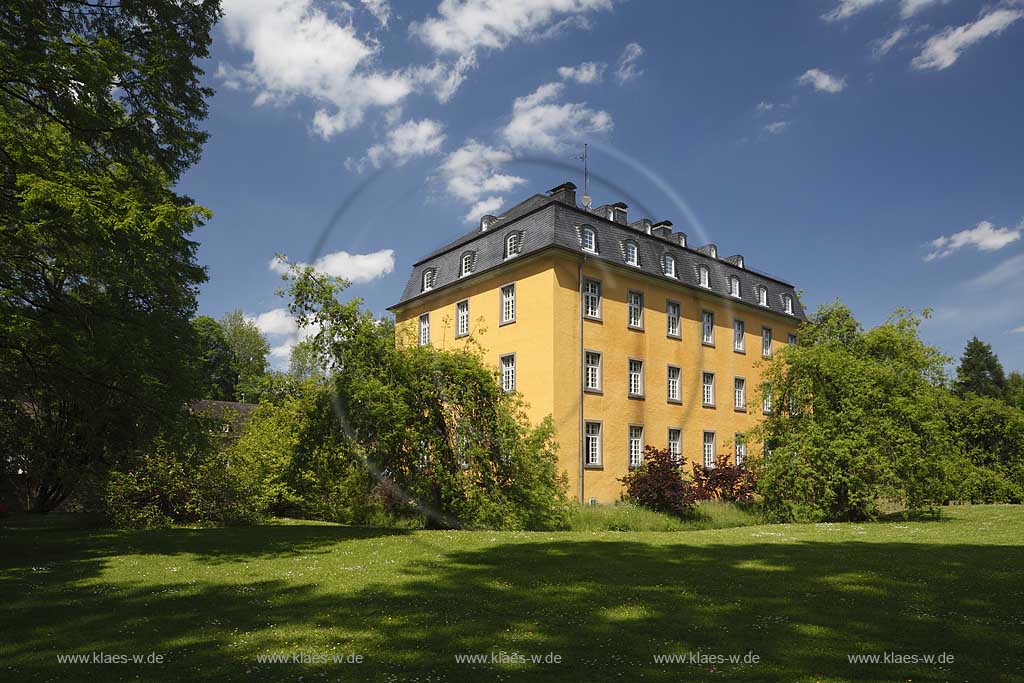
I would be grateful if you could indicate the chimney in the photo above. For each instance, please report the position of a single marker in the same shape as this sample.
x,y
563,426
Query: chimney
x,y
486,222
619,212
565,193
662,229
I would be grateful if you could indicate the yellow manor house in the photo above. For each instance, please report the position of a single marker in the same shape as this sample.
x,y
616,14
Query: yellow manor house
x,y
622,332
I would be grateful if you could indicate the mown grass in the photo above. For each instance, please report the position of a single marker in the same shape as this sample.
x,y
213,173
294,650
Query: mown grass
x,y
800,597
627,517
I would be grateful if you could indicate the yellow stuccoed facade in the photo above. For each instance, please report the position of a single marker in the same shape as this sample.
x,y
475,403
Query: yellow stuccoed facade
x,y
545,338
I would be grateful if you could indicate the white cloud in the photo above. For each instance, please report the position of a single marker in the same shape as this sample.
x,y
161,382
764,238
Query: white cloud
x,y
352,267
944,48
541,124
1017,330
1006,272
984,236
380,9
463,26
473,171
777,127
490,205
909,8
409,140
275,321
765,106
299,50
626,68
822,81
847,8
883,45
586,73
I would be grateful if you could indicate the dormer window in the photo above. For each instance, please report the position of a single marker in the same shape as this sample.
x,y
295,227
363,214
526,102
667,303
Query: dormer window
x,y
703,276
712,251
588,240
466,264
632,253
787,304
739,262
429,276
762,295
734,286
668,265
512,244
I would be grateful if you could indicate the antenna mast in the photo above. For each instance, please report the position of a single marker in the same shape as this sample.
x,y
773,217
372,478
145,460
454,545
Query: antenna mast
x,y
587,200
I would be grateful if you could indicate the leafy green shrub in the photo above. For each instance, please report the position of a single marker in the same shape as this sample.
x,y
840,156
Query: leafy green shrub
x,y
723,482
990,439
658,484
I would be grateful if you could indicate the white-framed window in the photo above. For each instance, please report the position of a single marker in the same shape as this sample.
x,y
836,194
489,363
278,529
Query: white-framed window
x,y
462,318
762,295
588,240
508,372
741,449
592,299
508,304
632,252
734,286
739,391
707,325
429,277
672,323
713,251
593,444
739,333
703,276
674,381
592,371
424,329
512,244
709,449
668,265
466,264
787,304
766,342
766,400
636,377
636,445
791,339
635,301
675,443
708,388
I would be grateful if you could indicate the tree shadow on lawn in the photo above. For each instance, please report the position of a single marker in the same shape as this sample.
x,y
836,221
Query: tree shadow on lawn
x,y
607,607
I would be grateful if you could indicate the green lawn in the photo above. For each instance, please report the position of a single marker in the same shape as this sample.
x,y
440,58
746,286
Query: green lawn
x,y
800,597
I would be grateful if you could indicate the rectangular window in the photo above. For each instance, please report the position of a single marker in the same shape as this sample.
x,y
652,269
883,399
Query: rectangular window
x,y
741,449
508,304
462,318
592,375
707,323
674,392
740,393
424,329
766,400
593,444
636,377
708,395
636,445
592,299
709,449
636,309
508,372
739,329
766,342
672,319
675,443
791,339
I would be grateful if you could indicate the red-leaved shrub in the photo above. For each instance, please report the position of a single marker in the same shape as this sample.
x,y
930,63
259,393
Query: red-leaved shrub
x,y
658,484
723,482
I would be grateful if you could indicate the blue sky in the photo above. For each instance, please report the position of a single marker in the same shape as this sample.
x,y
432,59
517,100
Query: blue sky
x,y
866,150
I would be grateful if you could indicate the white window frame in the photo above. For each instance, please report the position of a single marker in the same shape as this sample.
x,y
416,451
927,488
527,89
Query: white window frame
x,y
708,453
707,328
673,319
739,393
429,279
766,342
592,293
707,389
674,384
766,400
668,265
592,443
739,335
592,371
635,305
507,303
675,445
512,246
635,445
508,372
740,447
638,374
762,295
466,264
631,253
704,277
462,318
734,286
424,329
584,232
787,304
792,339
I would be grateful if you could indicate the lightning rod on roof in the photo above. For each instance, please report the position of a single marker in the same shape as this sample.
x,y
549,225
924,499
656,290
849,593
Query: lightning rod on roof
x,y
587,199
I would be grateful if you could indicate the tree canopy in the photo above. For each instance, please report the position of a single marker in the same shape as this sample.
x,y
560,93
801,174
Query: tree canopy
x,y
980,372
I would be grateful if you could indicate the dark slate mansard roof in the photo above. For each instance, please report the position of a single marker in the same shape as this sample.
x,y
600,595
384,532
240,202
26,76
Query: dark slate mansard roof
x,y
550,221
